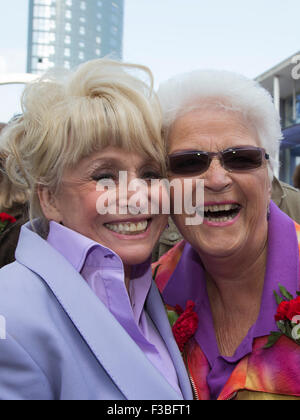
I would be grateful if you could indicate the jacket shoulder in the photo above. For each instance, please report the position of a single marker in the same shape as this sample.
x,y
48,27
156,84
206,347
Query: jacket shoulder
x,y
25,299
289,188
16,277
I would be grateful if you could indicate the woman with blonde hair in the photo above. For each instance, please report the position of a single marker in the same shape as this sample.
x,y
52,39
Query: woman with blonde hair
x,y
83,317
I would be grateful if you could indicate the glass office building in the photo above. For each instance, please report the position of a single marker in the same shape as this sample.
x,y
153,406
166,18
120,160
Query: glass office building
x,y
65,33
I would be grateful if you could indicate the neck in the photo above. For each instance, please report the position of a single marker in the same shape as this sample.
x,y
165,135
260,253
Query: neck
x,y
236,281
240,275
127,274
235,287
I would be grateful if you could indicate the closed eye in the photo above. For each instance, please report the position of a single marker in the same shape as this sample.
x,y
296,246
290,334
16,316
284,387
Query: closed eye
x,y
151,175
100,177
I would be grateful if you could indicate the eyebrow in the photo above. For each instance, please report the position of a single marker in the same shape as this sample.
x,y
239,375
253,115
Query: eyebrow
x,y
114,161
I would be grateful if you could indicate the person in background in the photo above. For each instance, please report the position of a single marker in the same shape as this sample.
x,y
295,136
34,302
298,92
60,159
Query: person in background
x,y
287,198
296,177
84,319
223,129
13,201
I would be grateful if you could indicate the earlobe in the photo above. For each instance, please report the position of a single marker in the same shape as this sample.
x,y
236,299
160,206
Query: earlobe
x,y
49,204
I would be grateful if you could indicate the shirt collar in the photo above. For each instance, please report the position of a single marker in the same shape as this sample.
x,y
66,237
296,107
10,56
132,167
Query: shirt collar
x,y
74,246
82,252
282,267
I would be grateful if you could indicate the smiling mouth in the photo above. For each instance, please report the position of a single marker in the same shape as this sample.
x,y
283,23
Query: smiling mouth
x,y
129,228
221,212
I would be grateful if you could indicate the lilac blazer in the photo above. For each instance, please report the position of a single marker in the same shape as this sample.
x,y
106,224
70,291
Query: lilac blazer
x,y
61,341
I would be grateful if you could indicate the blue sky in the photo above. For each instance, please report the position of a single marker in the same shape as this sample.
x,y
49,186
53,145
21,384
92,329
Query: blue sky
x,y
174,36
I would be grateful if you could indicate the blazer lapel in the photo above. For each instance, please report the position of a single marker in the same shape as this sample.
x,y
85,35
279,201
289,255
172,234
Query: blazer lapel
x,y
156,311
117,353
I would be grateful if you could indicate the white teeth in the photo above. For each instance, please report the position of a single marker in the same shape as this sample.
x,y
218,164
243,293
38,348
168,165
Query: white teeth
x,y
220,219
221,207
128,228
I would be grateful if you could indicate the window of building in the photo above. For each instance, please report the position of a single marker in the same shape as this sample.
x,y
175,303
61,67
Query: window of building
x,y
83,5
67,39
43,37
40,50
43,11
67,52
43,24
81,55
68,14
68,27
82,30
52,24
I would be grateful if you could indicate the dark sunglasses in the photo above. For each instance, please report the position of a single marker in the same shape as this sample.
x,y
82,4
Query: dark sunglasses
x,y
240,159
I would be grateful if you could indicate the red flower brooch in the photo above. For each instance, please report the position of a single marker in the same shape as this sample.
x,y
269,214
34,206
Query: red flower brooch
x,y
184,323
287,317
5,219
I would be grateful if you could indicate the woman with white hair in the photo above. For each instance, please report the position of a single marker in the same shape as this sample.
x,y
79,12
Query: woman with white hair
x,y
223,129
81,318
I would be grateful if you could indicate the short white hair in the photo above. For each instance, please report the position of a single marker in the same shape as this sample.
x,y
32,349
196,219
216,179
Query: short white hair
x,y
233,92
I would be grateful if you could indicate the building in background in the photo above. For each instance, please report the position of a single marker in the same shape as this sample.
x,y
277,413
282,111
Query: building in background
x,y
65,33
283,83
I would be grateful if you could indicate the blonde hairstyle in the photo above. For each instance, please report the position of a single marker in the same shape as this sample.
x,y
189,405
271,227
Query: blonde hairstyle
x,y
12,197
69,115
229,91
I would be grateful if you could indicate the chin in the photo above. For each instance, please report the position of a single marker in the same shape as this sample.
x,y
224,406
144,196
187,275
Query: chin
x,y
219,250
137,258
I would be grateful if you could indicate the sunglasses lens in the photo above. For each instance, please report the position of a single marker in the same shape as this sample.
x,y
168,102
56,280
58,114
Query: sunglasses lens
x,y
189,163
242,160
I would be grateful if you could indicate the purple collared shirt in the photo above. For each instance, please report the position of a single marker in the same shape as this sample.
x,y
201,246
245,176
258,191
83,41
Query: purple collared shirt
x,y
188,282
103,270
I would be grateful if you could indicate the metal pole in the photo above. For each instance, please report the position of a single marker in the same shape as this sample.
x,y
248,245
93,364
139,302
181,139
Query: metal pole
x,y
276,98
294,102
276,92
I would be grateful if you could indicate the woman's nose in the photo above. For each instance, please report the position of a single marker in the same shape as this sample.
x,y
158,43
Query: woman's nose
x,y
217,178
